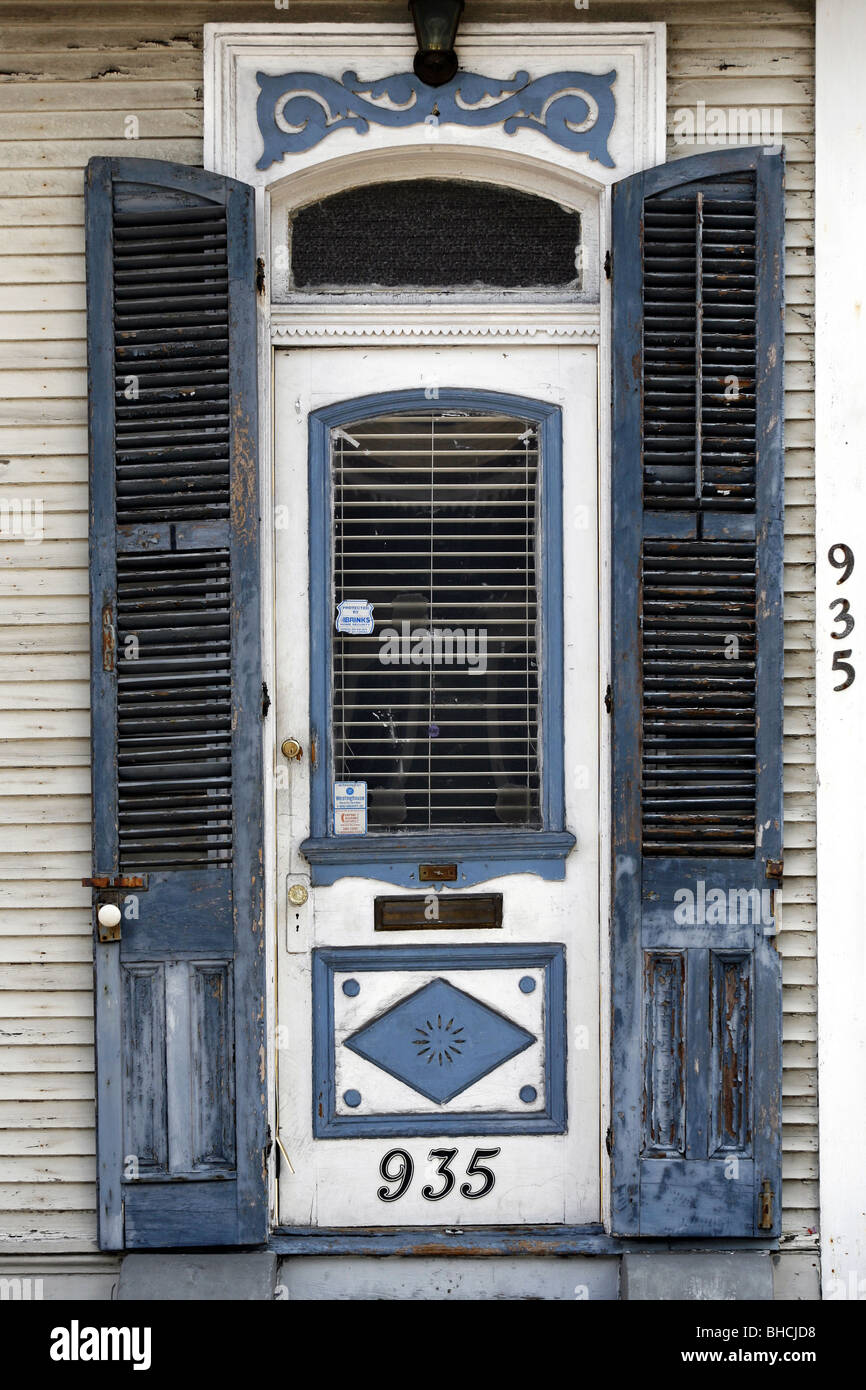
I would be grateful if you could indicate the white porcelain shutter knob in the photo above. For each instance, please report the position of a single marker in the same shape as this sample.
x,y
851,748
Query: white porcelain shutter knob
x,y
108,915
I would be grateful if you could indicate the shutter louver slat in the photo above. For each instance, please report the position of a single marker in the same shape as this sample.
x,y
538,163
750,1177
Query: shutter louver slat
x,y
699,335
174,733
172,463
699,443
172,426
699,714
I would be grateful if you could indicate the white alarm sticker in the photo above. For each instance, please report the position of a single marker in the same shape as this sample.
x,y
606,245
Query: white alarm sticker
x,y
355,617
350,808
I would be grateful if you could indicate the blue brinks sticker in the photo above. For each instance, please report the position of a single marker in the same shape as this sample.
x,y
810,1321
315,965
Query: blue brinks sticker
x,y
355,617
350,808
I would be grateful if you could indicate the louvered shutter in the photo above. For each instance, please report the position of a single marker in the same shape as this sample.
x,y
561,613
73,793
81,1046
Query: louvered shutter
x,y
698,248
177,705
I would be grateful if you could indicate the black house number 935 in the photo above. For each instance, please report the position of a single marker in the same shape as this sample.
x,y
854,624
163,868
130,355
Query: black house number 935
x,y
398,1169
841,557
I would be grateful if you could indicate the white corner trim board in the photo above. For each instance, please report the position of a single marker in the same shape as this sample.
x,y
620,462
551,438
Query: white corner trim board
x,y
841,712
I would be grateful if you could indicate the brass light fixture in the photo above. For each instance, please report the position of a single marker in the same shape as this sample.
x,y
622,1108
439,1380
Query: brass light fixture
x,y
436,24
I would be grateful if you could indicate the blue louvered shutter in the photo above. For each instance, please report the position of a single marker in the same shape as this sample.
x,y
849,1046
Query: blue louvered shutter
x,y
177,706
698,257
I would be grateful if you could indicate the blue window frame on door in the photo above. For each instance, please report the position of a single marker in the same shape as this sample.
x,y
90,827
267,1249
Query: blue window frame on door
x,y
437,525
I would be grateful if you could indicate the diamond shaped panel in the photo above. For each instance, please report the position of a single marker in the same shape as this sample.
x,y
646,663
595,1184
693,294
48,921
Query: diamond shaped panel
x,y
439,1040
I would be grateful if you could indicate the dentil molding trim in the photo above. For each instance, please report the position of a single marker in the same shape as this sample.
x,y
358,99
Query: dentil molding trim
x,y
560,323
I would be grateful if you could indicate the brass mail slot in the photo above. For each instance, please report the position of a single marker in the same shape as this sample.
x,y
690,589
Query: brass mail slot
x,y
428,873
469,912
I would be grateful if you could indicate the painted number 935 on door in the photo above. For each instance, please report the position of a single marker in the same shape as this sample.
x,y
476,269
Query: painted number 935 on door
x,y
398,1169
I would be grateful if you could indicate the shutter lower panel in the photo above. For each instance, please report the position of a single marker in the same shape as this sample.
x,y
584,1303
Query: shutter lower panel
x,y
698,352
176,688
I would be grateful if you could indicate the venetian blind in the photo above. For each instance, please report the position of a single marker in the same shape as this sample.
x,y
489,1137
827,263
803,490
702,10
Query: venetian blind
x,y
435,524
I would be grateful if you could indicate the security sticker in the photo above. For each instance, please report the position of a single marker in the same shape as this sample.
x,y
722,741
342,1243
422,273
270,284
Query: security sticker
x,y
350,808
355,617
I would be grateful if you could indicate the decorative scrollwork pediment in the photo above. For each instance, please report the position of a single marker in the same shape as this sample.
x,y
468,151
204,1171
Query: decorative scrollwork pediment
x,y
296,110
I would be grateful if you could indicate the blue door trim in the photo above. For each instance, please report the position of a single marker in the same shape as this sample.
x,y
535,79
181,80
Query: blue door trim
x,y
479,855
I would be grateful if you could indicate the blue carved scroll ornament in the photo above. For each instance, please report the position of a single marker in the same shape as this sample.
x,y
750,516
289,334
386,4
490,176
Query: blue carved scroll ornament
x,y
575,110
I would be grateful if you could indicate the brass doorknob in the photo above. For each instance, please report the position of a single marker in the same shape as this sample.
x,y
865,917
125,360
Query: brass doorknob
x,y
292,749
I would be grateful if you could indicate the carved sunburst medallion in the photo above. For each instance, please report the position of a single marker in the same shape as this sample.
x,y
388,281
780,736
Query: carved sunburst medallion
x,y
439,1042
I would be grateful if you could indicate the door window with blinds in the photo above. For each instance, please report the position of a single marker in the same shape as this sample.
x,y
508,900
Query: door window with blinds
x,y
442,622
436,708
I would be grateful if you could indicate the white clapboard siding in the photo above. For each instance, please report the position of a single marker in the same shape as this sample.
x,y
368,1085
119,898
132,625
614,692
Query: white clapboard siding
x,y
47,1143
68,352
46,950
44,382
62,270
32,924
68,1168
74,71
45,1033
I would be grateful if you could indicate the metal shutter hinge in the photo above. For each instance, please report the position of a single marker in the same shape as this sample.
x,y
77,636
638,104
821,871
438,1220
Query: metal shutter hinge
x,y
608,700
260,275
608,265
266,700
101,881
766,1219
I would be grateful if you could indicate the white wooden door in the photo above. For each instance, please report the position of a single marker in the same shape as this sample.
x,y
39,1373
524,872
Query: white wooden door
x,y
506,1016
